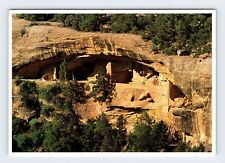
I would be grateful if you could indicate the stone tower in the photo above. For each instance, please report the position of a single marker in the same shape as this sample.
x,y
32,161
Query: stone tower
x,y
54,74
109,69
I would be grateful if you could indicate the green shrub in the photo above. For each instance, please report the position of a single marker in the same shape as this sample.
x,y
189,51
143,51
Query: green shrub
x,y
32,23
197,52
165,30
46,110
58,101
155,48
60,17
182,147
199,148
29,95
37,136
18,126
23,142
21,16
18,81
89,22
35,17
170,51
22,31
33,122
186,147
207,49
123,23
134,30
49,92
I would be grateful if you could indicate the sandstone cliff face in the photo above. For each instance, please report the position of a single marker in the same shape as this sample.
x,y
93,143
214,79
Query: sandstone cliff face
x,y
43,42
46,46
194,77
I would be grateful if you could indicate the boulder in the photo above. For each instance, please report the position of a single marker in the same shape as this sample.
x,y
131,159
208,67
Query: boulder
x,y
198,101
178,102
178,111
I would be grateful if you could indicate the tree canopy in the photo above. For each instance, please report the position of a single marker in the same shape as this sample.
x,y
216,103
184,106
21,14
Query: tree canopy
x,y
168,32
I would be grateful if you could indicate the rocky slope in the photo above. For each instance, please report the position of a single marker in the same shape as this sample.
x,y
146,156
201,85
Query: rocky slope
x,y
43,45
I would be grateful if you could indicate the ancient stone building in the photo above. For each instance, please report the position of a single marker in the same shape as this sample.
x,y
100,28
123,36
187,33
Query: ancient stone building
x,y
50,74
134,69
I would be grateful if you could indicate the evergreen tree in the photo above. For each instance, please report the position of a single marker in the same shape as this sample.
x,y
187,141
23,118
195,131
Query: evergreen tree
x,y
120,140
61,18
36,133
73,91
186,147
62,134
123,23
89,143
148,136
50,91
29,96
35,17
159,134
18,126
46,110
63,74
168,32
104,135
103,89
89,22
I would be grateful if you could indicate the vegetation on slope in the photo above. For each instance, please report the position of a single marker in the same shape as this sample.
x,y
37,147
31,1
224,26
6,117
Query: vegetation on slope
x,y
58,128
168,32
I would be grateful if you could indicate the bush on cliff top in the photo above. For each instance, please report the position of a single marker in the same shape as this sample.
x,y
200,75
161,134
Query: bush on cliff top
x,y
169,32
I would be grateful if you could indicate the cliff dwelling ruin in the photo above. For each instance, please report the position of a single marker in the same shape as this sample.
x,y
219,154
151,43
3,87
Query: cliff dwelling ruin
x,y
175,89
152,86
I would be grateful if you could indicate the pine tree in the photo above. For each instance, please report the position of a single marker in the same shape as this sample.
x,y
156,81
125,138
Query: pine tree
x,y
62,134
63,74
73,92
104,135
148,136
120,140
103,89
